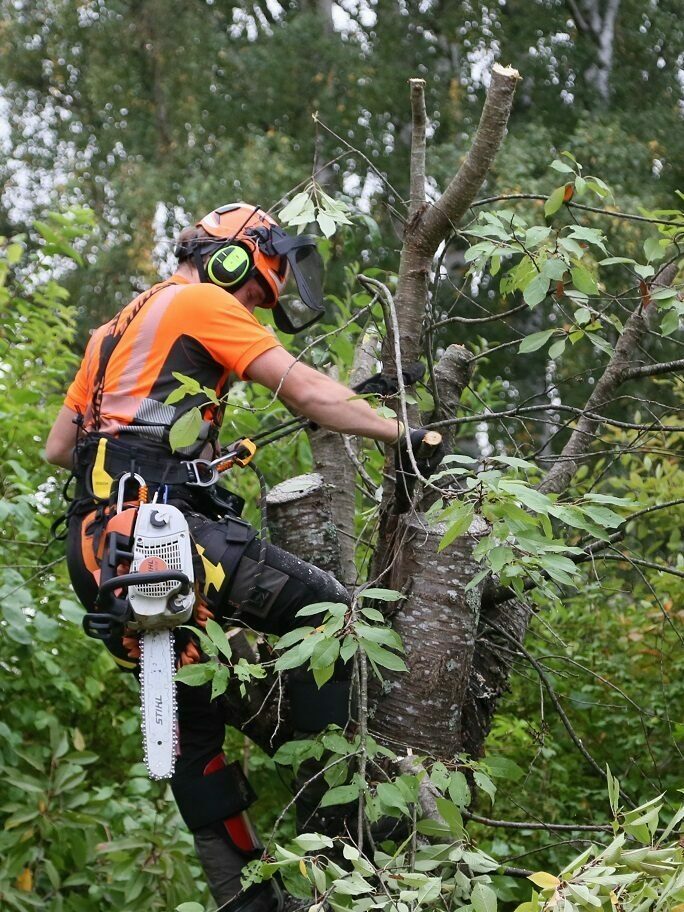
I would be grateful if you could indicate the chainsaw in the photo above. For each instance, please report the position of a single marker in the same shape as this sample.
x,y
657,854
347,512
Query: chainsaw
x,y
153,598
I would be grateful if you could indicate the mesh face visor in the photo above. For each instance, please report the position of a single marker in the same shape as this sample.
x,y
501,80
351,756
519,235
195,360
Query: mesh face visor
x,y
301,304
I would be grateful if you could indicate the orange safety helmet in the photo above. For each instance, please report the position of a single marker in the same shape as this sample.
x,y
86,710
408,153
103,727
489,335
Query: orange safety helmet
x,y
233,223
245,242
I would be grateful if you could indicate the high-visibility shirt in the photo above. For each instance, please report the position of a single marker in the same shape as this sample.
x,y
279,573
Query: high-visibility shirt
x,y
189,328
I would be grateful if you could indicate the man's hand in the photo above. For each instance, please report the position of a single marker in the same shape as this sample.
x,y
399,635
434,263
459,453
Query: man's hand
x,y
428,451
427,448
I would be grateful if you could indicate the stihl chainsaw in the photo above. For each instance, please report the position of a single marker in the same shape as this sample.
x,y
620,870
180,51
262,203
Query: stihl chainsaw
x,y
156,595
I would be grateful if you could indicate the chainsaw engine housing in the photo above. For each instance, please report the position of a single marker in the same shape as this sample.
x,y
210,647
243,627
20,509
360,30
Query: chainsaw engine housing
x,y
161,541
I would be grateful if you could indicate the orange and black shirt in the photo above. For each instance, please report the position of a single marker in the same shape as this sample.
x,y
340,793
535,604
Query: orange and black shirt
x,y
195,329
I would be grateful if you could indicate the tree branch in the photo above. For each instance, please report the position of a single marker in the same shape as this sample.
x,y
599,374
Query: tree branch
x,y
652,370
419,119
429,225
578,18
544,678
562,471
440,219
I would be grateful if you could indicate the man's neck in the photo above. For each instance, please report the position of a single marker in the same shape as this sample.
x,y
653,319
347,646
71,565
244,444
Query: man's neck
x,y
188,271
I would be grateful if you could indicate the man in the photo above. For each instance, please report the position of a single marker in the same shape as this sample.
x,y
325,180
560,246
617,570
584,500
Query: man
x,y
117,417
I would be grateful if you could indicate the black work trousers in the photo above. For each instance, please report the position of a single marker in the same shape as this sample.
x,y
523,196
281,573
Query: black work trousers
x,y
228,554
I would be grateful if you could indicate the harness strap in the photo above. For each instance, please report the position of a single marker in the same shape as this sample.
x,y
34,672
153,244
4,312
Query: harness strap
x,y
109,344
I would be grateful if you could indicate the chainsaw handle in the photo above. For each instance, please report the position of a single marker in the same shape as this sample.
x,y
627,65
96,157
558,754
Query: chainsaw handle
x,y
143,579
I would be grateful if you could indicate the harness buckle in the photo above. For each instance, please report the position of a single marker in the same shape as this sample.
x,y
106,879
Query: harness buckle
x,y
197,468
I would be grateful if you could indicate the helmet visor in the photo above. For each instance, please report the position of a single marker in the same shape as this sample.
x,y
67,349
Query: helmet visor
x,y
301,303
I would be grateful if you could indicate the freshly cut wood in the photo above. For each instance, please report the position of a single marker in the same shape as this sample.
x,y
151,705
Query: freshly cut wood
x,y
300,520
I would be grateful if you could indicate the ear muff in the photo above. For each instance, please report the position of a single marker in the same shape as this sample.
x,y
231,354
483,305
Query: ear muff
x,y
230,266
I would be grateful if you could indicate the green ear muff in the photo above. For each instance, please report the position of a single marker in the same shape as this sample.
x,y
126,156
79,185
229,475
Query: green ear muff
x,y
229,267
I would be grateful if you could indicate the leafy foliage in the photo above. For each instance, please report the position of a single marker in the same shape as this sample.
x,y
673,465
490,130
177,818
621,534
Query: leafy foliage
x,y
82,829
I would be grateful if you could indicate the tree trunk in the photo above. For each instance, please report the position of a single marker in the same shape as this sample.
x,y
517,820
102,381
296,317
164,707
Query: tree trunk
x,y
438,625
300,520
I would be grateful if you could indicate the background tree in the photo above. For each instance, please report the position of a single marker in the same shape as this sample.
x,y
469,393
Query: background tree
x,y
151,118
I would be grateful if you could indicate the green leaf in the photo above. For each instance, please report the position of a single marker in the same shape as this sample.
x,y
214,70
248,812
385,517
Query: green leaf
x,y
218,637
590,235
609,519
485,783
220,681
190,907
374,615
321,608
561,166
293,636
537,290
555,268
382,657
483,898
341,794
557,349
531,498
644,271
348,649
194,675
312,842
458,789
460,523
299,654
176,395
583,280
451,814
382,595
297,205
325,653
670,322
535,341
613,791
554,202
613,261
326,223
653,249
384,635
185,431
391,797
503,768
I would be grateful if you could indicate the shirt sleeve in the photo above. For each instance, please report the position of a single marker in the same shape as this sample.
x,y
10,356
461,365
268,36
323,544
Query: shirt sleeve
x,y
229,332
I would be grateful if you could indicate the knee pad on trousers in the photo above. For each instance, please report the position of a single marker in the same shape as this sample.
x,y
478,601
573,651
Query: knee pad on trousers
x,y
219,799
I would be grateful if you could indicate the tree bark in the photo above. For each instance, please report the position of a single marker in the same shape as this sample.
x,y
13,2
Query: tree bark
x,y
300,519
438,624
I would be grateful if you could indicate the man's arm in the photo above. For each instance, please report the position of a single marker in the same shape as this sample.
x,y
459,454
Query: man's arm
x,y
319,398
59,448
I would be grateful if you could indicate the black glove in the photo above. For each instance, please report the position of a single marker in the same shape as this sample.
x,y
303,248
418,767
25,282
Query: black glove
x,y
385,385
427,456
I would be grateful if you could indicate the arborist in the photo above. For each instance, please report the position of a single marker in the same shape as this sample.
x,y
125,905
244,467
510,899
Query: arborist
x,y
116,419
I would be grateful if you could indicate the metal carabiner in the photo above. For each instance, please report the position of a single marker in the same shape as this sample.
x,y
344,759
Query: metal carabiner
x,y
198,466
121,490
